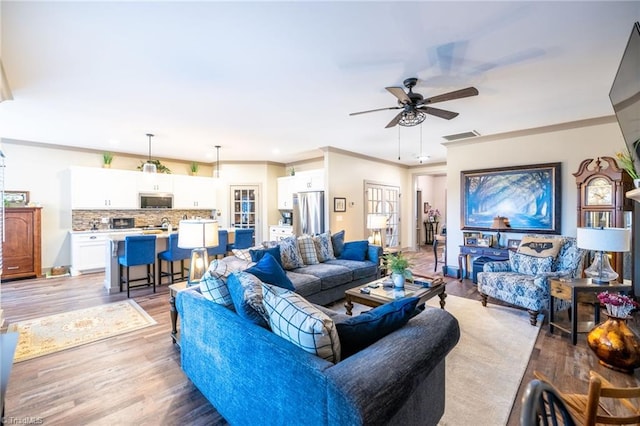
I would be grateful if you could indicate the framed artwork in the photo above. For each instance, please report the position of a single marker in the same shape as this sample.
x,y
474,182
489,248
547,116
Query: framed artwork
x,y
529,196
471,241
339,204
513,244
16,198
483,242
426,208
472,234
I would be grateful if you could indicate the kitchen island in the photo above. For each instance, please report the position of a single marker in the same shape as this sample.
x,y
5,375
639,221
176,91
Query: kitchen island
x,y
114,248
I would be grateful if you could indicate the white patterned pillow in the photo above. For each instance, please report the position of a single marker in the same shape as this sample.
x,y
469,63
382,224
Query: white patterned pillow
x,y
218,269
246,293
244,254
290,254
307,250
324,247
293,318
215,289
529,265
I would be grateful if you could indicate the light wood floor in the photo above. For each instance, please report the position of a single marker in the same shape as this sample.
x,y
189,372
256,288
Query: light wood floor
x,y
136,378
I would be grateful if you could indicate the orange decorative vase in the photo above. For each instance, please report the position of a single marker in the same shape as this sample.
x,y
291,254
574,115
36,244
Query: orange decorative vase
x,y
615,345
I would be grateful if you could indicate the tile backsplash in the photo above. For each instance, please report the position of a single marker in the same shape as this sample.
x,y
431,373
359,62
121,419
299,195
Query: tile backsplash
x,y
83,219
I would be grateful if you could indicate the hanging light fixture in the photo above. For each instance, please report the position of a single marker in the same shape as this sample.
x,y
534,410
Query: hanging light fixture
x,y
149,167
412,118
217,173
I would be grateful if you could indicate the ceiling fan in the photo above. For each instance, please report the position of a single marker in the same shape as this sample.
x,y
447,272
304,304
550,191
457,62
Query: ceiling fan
x,y
415,107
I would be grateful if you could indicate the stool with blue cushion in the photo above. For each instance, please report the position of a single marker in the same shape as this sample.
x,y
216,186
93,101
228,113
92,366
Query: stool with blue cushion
x,y
243,239
138,250
172,254
221,248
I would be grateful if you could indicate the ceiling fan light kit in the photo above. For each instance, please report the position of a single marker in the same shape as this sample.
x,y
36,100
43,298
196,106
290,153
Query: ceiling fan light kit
x,y
414,105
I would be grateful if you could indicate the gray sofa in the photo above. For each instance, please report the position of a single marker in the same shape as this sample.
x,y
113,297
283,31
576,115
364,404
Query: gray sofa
x,y
252,376
326,282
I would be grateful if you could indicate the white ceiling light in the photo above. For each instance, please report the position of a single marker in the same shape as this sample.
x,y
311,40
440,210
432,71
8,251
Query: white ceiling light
x,y
149,167
5,90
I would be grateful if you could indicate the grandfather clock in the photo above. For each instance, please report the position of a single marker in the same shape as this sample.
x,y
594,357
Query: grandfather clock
x,y
601,202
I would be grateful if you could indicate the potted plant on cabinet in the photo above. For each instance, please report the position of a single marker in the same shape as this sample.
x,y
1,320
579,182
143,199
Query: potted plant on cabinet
x,y
193,168
107,158
399,267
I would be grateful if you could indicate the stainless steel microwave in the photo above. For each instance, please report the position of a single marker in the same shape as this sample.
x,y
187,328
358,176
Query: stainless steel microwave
x,y
156,201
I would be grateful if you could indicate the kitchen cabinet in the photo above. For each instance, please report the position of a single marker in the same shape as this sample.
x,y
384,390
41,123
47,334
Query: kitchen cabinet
x,y
93,188
88,252
194,192
285,192
312,180
22,246
154,182
280,232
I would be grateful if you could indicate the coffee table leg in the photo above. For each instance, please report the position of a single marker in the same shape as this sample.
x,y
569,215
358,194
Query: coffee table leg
x,y
348,305
442,296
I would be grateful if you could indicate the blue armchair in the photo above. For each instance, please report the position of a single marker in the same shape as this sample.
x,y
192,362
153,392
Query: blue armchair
x,y
530,291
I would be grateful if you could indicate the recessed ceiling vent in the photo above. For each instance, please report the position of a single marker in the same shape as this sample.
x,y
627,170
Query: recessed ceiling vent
x,y
464,135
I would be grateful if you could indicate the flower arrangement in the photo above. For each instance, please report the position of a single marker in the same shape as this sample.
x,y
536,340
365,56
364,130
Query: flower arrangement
x,y
625,160
618,305
433,215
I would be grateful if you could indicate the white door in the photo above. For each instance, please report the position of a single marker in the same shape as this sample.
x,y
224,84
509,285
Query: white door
x,y
244,208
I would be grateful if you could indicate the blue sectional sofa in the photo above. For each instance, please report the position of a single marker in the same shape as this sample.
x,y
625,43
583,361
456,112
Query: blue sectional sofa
x,y
253,376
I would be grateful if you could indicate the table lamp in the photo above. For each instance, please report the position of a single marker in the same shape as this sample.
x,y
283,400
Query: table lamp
x,y
603,240
198,235
376,223
500,223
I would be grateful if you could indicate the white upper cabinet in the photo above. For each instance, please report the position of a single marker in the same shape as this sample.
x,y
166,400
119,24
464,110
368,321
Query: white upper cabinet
x,y
194,192
312,180
154,182
285,192
94,188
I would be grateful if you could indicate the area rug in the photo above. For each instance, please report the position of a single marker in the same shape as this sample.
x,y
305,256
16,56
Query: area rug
x,y
484,371
45,335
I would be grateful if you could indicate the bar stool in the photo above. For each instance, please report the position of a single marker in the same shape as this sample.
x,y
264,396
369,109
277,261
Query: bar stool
x,y
138,250
172,254
243,239
221,248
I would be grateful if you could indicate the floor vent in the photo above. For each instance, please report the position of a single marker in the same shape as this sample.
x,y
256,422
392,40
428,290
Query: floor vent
x,y
465,135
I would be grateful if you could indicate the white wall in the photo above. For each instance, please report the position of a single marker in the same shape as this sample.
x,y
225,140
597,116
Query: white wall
x,y
564,144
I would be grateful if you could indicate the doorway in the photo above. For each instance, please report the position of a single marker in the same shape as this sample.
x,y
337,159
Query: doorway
x,y
244,210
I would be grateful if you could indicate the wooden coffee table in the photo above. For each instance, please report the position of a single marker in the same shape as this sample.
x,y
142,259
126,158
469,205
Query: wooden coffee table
x,y
381,291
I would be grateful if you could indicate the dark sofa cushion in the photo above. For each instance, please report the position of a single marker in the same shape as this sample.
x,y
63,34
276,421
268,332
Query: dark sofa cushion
x,y
359,269
358,332
355,250
330,275
257,254
269,271
305,284
246,293
337,241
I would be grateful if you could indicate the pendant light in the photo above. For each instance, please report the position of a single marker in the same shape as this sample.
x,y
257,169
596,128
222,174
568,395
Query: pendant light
x,y
217,173
149,167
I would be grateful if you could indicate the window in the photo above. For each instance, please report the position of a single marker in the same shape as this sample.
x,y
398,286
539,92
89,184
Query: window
x,y
384,199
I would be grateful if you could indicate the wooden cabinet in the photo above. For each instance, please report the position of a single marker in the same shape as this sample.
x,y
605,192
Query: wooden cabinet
x,y
22,247
602,203
194,192
93,189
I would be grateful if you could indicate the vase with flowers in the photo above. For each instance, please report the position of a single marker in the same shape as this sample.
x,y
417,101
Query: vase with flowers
x,y
433,215
626,161
613,342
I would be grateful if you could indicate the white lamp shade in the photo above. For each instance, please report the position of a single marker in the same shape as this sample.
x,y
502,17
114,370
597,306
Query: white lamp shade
x,y
604,239
376,221
198,233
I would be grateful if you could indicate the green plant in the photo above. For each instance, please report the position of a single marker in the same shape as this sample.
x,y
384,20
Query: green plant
x,y
107,157
398,264
194,167
159,166
626,161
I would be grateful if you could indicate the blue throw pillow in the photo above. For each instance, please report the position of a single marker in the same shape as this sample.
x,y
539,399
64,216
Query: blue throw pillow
x,y
246,294
356,333
355,250
269,271
337,240
257,254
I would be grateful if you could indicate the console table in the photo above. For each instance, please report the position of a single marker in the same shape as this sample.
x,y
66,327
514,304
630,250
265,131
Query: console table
x,y
430,229
473,251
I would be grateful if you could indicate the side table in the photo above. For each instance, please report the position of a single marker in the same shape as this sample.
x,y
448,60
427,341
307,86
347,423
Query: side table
x,y
576,291
174,289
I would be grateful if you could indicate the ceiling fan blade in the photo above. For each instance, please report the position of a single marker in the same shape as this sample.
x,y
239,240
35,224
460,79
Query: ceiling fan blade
x,y
442,113
399,93
395,120
456,94
374,110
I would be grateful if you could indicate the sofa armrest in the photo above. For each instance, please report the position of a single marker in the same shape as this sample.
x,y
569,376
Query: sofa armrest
x,y
497,266
373,385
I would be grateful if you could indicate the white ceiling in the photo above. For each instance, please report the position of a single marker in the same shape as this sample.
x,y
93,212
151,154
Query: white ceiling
x,y
277,80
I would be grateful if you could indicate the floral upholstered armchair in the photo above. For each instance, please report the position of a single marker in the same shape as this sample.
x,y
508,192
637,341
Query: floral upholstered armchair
x,y
523,280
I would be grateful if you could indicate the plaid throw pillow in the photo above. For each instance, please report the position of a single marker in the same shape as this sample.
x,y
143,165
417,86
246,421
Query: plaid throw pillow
x,y
295,319
307,250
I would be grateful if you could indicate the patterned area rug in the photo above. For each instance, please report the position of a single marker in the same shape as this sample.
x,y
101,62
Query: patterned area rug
x,y
484,371
45,335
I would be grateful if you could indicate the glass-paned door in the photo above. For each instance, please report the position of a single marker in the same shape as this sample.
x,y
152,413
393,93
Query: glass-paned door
x,y
244,207
385,199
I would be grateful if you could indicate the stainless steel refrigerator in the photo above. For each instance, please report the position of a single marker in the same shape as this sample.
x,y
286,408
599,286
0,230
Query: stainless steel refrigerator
x,y
308,213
